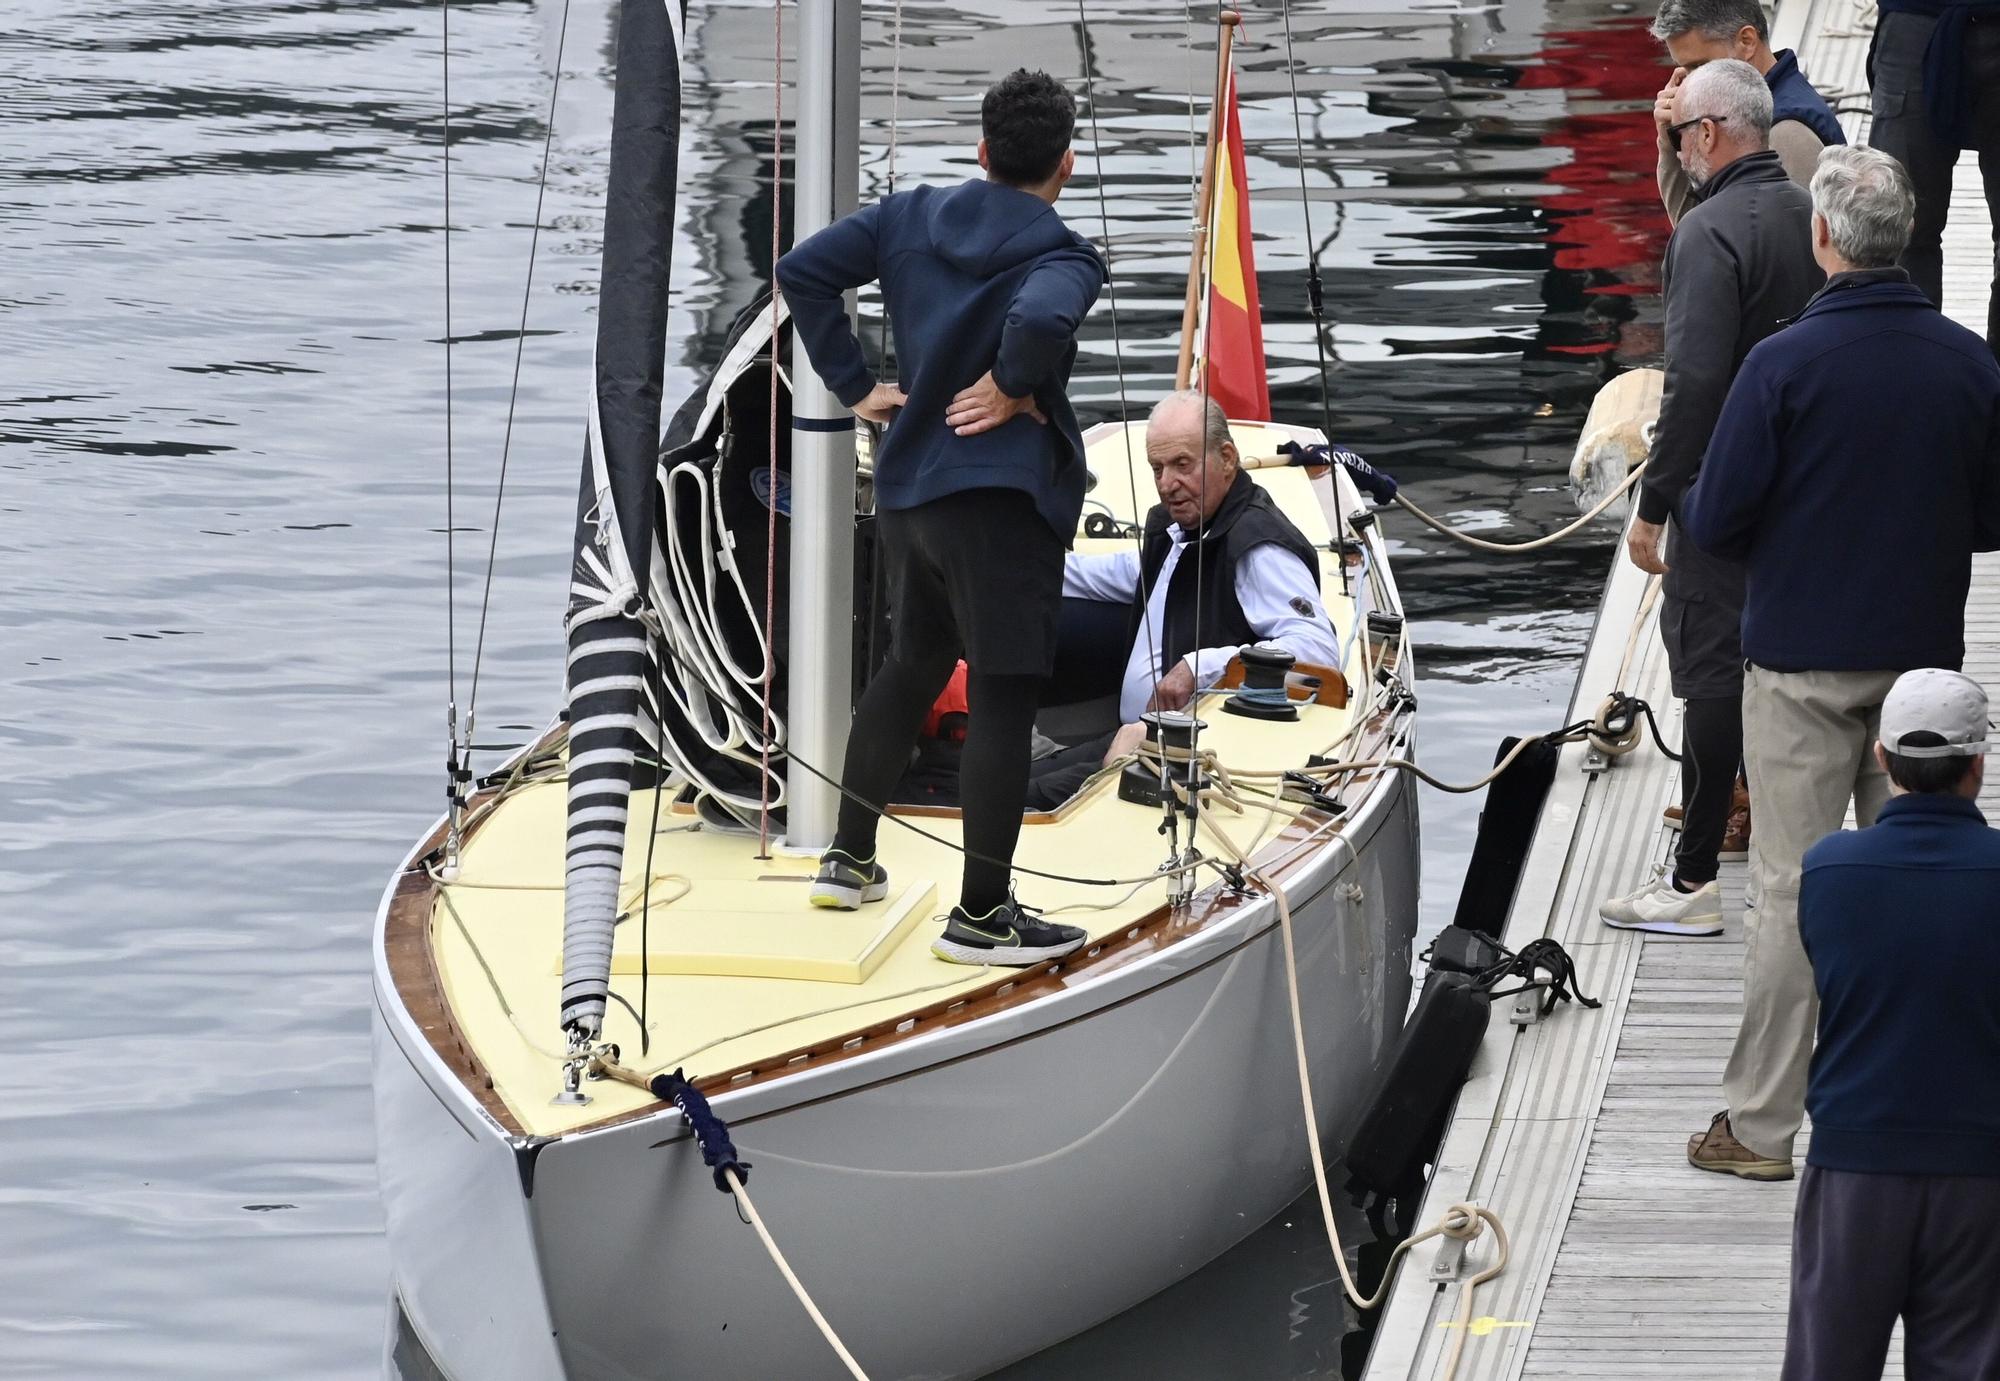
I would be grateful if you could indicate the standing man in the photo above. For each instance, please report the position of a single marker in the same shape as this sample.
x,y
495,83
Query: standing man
x,y
978,484
1899,1208
1935,73
1855,469
1697,32
1739,264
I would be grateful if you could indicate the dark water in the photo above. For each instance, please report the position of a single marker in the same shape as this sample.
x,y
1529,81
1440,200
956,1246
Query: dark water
x,y
223,635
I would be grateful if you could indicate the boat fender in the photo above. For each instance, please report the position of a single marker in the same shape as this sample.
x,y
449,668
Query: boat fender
x,y
1506,829
1405,1121
1458,950
711,1133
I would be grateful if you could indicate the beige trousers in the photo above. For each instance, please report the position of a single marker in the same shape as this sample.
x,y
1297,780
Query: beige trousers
x,y
1808,746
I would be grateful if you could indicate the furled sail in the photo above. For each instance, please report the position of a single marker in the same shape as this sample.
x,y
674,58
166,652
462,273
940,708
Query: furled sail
x,y
610,645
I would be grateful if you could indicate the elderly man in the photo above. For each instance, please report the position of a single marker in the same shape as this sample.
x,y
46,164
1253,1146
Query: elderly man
x,y
1739,264
1854,470
1220,566
1698,32
1901,1193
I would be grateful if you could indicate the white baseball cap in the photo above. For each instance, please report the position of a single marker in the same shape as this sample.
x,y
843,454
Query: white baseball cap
x,y
1949,704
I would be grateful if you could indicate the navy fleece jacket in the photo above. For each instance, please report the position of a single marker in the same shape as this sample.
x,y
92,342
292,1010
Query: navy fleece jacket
x,y
977,277
1854,470
1902,924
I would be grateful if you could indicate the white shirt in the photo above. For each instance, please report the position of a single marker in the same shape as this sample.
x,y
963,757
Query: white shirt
x,y
1271,586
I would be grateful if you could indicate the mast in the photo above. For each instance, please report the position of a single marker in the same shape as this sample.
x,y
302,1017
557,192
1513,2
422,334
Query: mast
x,y
1204,211
611,652
821,671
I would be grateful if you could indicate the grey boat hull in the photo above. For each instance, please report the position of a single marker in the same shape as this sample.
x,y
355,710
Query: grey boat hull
x,y
1088,1149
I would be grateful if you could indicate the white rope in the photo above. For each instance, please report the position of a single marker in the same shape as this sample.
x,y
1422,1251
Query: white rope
x,y
1463,1221
756,1221
1548,539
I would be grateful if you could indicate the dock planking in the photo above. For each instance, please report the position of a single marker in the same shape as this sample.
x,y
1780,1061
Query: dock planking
x,y
1627,1261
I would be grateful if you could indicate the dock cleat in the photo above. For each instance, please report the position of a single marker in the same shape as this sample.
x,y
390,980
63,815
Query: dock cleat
x,y
1662,909
844,883
1010,934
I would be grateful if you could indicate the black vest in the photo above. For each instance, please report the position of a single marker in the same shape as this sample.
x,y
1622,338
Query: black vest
x,y
1204,579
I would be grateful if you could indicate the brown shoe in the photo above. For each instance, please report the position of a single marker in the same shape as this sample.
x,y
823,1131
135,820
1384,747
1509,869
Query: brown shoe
x,y
1736,834
1718,1149
1672,815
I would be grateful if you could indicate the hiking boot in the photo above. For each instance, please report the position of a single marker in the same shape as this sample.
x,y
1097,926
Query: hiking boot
x,y
1010,934
844,883
1718,1149
1663,909
1672,815
1736,834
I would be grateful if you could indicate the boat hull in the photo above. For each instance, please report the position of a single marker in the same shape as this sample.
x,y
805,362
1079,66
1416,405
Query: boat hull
x,y
1084,1152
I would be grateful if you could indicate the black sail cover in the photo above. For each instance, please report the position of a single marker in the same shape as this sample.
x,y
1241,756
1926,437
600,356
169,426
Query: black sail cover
x,y
610,648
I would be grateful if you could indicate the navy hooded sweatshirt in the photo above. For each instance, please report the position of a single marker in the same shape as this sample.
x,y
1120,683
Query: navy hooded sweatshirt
x,y
1854,470
977,277
1902,924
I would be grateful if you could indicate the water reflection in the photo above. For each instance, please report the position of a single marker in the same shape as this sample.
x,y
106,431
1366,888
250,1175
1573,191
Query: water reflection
x,y
222,451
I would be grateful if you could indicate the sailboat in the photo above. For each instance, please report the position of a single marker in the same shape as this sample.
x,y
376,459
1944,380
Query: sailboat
x,y
1086,1131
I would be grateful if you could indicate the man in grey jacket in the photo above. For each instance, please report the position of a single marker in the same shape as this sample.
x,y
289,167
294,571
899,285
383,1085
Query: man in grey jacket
x,y
1739,265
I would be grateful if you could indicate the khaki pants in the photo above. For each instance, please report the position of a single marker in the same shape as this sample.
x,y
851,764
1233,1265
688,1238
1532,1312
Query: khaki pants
x,y
1808,746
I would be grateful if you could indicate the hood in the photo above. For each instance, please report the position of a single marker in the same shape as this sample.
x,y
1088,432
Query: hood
x,y
985,228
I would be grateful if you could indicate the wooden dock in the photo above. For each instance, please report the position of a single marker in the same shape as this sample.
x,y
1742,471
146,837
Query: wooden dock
x,y
1627,1262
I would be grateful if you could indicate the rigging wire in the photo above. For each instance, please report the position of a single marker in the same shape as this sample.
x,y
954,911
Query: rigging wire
x,y
450,496
514,390
770,631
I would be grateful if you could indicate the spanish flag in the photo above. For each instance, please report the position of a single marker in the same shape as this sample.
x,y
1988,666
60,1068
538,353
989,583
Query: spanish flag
x,y
1233,335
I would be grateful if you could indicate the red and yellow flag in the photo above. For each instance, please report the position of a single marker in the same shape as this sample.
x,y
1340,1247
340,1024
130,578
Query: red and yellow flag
x,y
1233,344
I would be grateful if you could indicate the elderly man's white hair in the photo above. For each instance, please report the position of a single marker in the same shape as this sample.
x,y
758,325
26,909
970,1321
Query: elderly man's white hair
x,y
1867,202
1215,422
1734,94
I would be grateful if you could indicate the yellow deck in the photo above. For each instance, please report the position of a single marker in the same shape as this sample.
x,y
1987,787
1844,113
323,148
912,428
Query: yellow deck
x,y
741,967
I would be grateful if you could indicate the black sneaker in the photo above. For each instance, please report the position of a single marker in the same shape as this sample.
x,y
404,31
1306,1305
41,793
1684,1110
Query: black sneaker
x,y
844,884
1010,934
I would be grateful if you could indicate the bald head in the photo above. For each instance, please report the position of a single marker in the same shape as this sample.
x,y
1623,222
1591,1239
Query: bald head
x,y
1194,461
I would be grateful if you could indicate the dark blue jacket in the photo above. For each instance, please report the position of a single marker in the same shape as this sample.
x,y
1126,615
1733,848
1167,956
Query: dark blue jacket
x,y
1902,924
1795,98
977,277
1854,471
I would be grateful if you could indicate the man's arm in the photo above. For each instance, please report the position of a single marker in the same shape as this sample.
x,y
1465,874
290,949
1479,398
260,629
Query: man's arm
x,y
1797,148
1281,600
1043,318
1704,308
1109,576
1986,491
1676,192
814,277
1721,510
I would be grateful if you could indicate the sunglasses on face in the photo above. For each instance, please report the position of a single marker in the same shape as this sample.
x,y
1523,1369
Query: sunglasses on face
x,y
1674,131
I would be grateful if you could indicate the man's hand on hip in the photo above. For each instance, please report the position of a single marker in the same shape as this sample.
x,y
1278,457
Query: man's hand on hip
x,y
880,405
1642,544
1175,689
982,406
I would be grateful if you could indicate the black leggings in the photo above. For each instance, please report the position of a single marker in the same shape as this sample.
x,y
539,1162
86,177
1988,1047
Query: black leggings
x,y
1711,747
993,773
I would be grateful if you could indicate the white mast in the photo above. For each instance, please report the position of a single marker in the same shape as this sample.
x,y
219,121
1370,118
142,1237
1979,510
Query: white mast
x,y
821,673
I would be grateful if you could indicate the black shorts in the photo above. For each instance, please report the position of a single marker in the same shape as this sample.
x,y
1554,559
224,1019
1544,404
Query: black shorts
x,y
978,573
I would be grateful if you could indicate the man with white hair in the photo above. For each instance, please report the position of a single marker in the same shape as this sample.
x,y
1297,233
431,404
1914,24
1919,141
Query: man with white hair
x,y
1899,1205
1698,32
1854,471
1738,266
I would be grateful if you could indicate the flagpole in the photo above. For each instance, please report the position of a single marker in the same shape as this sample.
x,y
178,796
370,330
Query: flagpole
x,y
1205,202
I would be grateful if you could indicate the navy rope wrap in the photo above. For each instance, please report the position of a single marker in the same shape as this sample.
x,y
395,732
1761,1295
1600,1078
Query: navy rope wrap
x,y
1369,480
718,1152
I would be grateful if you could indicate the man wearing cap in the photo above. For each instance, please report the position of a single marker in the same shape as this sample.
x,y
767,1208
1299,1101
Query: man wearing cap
x,y
1899,1207
1854,471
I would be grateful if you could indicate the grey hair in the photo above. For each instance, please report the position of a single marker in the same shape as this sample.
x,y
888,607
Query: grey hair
x,y
1866,200
1734,94
1215,422
1717,19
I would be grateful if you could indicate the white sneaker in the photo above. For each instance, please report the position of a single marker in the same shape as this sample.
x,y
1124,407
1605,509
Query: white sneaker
x,y
1661,908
